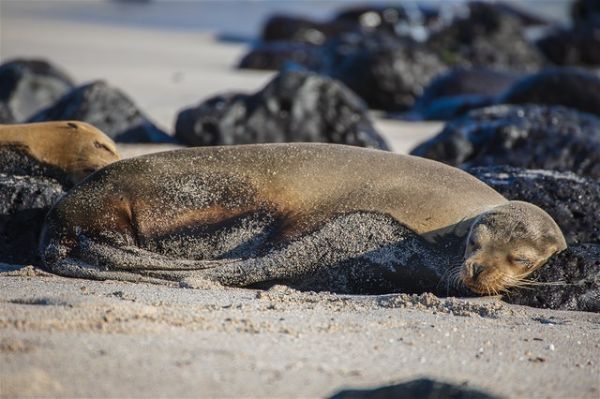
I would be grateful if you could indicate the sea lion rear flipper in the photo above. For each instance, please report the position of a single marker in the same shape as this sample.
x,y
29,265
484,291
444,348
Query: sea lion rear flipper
x,y
102,261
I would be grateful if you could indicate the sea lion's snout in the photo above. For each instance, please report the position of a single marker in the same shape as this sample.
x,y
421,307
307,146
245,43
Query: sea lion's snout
x,y
481,277
475,270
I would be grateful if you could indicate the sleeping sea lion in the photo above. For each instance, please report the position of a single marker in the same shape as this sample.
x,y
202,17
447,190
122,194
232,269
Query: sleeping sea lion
x,y
245,215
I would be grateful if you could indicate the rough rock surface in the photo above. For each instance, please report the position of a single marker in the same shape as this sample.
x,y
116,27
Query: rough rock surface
x,y
107,108
16,160
577,46
569,87
293,107
24,202
422,388
586,11
26,86
400,19
571,200
487,36
6,115
389,73
286,28
461,89
530,136
569,281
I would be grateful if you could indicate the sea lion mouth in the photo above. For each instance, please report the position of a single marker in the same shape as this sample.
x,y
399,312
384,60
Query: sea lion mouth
x,y
479,279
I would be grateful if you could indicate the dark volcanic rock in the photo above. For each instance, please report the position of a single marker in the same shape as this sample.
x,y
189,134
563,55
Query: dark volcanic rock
x,y
26,86
459,90
577,46
571,200
16,160
586,11
422,389
24,202
570,87
6,115
530,136
301,30
402,19
276,55
569,281
107,108
488,36
294,107
388,73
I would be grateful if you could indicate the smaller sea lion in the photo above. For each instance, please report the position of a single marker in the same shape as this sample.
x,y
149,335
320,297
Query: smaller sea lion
x,y
66,151
349,217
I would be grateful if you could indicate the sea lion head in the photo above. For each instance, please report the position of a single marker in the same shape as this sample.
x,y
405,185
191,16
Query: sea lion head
x,y
506,244
88,150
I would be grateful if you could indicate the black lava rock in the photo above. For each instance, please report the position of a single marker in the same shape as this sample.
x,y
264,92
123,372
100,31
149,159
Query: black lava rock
x,y
459,90
586,11
26,86
389,73
577,46
277,55
107,108
530,136
488,35
422,388
570,87
17,160
569,281
301,30
572,201
293,107
400,19
6,115
24,202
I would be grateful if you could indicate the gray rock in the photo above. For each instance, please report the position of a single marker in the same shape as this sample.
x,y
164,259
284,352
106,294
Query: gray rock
x,y
293,107
26,86
107,108
529,136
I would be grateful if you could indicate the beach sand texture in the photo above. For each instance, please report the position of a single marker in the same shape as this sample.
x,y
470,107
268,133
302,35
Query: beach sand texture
x,y
64,337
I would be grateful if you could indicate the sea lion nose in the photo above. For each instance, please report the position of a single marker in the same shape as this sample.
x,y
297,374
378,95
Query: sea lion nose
x,y
476,270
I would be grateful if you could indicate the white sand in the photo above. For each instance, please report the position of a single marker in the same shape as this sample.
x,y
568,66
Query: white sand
x,y
74,338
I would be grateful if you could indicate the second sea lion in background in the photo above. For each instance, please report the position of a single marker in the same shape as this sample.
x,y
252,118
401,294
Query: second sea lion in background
x,y
66,151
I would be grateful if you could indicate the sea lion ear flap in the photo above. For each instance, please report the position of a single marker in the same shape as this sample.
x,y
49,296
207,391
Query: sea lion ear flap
x,y
72,126
551,238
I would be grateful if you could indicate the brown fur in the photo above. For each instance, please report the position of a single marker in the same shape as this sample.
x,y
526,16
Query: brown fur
x,y
77,148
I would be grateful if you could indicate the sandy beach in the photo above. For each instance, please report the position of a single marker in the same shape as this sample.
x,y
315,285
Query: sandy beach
x,y
63,337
